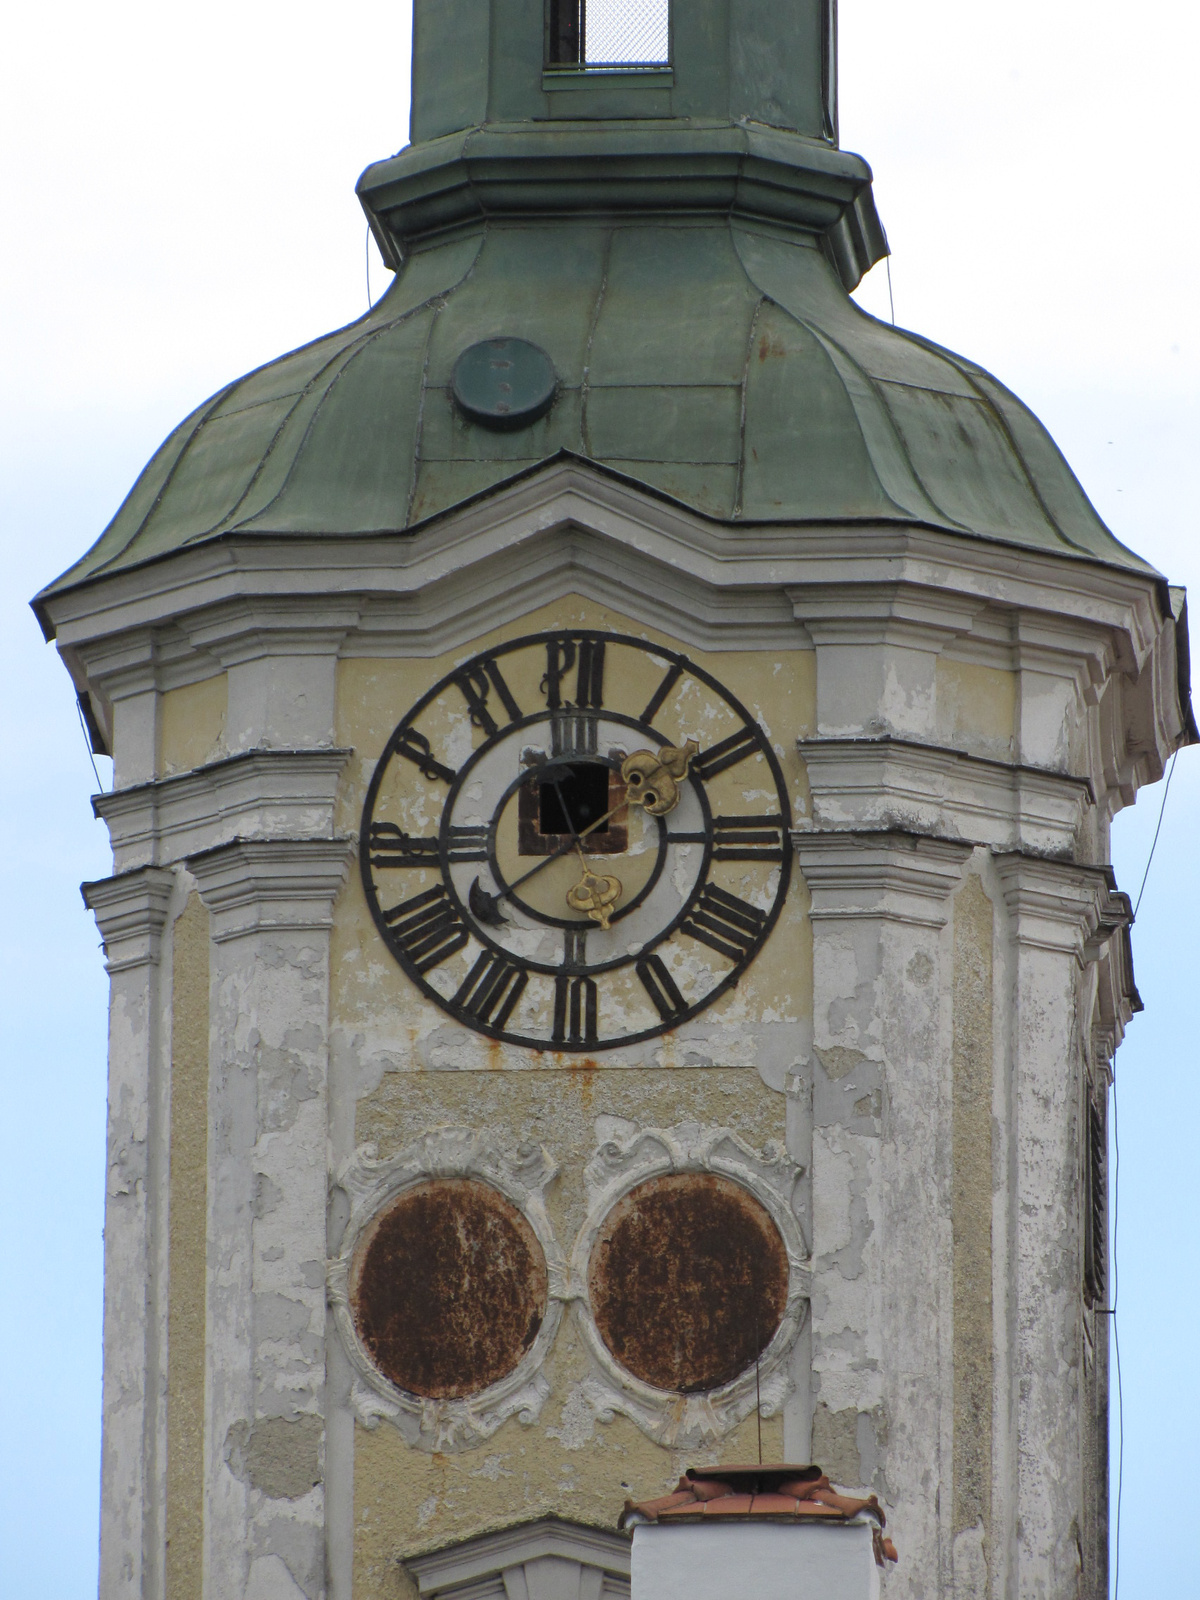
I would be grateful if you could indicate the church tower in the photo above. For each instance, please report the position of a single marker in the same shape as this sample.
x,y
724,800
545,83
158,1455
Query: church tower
x,y
611,933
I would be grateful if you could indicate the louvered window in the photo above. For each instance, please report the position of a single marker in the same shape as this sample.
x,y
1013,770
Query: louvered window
x,y
1096,1203
609,33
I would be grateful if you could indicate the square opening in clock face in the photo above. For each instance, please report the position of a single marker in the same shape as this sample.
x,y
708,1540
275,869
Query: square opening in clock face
x,y
566,800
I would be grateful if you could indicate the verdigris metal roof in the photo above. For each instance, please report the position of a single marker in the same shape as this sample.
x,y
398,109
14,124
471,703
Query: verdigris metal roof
x,y
720,363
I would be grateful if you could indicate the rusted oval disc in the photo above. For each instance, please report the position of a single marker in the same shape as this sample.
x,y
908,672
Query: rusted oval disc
x,y
449,1288
688,1281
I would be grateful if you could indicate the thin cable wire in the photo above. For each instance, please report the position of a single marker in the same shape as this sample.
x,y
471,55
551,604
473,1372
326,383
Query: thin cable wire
x,y
1117,1341
1157,831
88,743
367,257
1116,1224
891,301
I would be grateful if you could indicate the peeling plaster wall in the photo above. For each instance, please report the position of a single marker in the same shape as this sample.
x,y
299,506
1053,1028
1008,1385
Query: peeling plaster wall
x,y
187,1253
972,1210
408,1068
944,1361
570,1110
407,1501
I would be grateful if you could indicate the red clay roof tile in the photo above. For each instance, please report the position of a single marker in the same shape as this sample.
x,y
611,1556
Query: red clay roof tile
x,y
777,1491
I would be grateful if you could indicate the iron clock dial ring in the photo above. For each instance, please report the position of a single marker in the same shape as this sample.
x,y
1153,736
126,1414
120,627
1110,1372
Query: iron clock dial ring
x,y
543,759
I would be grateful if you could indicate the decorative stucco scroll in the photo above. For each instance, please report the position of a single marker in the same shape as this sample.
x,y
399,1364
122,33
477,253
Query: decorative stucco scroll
x,y
370,1185
628,1158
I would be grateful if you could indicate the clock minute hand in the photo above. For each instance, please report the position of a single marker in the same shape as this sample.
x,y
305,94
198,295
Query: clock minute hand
x,y
562,850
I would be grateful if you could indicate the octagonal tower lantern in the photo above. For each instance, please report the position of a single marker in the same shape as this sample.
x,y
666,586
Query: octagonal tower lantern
x,y
613,948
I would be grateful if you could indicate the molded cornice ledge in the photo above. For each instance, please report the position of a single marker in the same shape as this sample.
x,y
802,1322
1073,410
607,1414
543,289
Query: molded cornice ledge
x,y
271,885
1117,998
260,794
914,787
130,911
882,877
568,170
1054,906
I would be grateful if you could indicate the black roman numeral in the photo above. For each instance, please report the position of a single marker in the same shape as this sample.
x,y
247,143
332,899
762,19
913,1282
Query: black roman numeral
x,y
724,923
415,747
587,657
660,694
491,983
575,1010
468,843
573,733
726,754
661,987
427,928
748,838
589,679
390,846
476,684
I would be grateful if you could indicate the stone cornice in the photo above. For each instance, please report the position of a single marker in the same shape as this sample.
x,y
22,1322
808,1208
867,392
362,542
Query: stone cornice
x,y
1054,905
130,911
739,169
254,886
883,876
261,794
583,505
936,790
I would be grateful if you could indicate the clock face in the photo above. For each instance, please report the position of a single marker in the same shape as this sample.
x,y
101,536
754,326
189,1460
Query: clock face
x,y
576,840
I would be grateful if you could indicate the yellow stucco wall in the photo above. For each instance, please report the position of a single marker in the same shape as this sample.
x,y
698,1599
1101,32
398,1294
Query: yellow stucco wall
x,y
976,707
567,1462
191,724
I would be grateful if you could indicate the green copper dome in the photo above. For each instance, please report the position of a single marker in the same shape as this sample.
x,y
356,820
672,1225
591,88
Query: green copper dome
x,y
685,269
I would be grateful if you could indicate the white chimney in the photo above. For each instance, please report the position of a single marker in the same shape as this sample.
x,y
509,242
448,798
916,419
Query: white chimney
x,y
777,1533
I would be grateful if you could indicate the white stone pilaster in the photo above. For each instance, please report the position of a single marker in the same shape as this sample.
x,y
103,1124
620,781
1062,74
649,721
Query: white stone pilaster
x,y
130,911
1053,910
271,903
882,1258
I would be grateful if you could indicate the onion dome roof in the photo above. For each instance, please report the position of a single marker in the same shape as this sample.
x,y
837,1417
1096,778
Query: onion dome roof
x,y
715,363
667,254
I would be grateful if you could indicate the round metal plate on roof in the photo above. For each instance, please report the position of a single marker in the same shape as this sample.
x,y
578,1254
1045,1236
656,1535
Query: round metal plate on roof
x,y
504,382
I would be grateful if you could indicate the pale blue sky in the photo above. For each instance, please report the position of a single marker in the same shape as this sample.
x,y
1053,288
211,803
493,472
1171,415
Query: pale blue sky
x,y
178,197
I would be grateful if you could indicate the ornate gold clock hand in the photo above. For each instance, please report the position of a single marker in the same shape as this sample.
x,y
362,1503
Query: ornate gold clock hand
x,y
653,780
595,894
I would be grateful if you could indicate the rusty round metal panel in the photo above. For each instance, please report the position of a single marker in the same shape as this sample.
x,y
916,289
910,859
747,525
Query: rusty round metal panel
x,y
449,1288
688,1280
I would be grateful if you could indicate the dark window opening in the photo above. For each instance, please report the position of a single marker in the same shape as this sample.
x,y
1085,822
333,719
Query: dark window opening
x,y
608,33
1096,1201
566,798
573,797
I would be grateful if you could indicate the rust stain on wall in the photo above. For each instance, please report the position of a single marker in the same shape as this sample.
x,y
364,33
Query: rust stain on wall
x,y
449,1289
688,1281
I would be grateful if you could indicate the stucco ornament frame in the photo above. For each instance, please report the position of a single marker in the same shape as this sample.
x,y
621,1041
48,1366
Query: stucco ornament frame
x,y
521,1175
621,1162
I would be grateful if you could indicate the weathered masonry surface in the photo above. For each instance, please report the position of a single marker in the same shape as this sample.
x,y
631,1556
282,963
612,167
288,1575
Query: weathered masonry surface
x,y
881,1137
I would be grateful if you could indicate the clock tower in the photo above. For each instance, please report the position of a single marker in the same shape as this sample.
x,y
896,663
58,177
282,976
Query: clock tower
x,y
615,964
